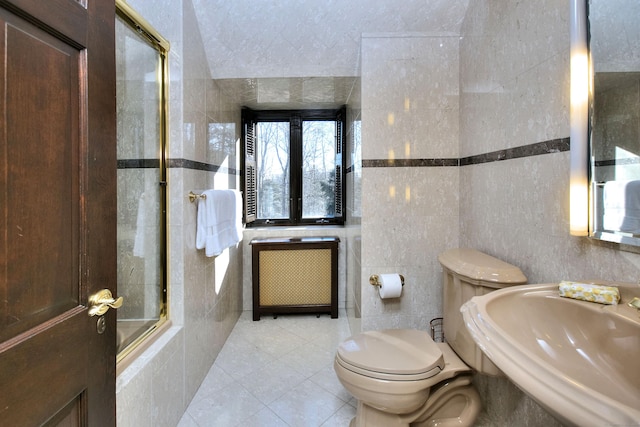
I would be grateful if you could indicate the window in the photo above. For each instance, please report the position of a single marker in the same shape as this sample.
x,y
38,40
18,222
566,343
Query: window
x,y
293,166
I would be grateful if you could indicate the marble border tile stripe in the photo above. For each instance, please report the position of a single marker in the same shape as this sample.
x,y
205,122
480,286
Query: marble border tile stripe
x,y
395,163
618,162
173,163
192,164
539,148
138,163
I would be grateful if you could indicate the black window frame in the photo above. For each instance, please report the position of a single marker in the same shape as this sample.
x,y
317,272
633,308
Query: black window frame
x,y
249,167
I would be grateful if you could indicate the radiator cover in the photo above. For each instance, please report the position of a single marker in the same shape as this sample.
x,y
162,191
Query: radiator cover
x,y
295,275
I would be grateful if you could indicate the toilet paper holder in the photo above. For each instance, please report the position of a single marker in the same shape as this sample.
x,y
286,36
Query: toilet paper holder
x,y
374,279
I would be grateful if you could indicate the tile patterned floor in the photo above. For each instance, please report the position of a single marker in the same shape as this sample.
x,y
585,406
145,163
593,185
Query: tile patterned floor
x,y
275,373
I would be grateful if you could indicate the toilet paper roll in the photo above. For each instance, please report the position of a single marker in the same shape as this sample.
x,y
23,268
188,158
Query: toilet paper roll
x,y
390,286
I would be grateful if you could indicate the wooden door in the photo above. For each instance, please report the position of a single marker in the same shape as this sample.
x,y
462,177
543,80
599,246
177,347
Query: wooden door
x,y
57,211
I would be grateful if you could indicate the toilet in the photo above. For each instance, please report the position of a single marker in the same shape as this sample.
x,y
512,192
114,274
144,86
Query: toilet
x,y
401,377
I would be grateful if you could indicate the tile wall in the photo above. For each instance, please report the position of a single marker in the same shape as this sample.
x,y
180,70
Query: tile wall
x,y
409,185
514,91
427,99
205,296
353,231
505,118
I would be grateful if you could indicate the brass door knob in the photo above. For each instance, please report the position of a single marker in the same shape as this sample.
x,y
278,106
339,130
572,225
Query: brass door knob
x,y
100,302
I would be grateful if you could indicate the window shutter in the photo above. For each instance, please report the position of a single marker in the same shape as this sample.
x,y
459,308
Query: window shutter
x,y
249,170
339,184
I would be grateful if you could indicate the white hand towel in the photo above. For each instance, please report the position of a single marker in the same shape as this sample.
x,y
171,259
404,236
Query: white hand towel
x,y
238,216
219,225
229,213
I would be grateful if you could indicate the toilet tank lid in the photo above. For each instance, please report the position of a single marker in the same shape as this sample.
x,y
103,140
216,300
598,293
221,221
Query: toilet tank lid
x,y
477,265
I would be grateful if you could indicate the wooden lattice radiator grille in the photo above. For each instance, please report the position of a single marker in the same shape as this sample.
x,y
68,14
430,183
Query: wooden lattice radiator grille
x,y
295,275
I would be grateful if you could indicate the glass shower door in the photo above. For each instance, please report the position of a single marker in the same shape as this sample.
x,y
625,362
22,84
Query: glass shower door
x,y
141,183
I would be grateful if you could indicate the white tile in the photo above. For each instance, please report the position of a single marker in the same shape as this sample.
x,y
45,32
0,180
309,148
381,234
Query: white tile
x,y
306,405
187,421
239,357
310,358
342,417
273,340
275,373
271,381
215,381
328,380
226,408
263,418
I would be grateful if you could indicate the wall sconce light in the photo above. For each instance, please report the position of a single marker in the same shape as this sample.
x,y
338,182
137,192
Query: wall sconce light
x,y
579,118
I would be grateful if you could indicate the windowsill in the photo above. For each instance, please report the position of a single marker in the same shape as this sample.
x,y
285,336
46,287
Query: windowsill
x,y
295,227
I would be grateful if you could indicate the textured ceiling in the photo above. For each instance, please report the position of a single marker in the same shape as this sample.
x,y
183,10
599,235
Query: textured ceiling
x,y
309,38
276,39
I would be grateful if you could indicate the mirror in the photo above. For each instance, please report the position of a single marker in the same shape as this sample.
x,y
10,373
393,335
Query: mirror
x,y
614,119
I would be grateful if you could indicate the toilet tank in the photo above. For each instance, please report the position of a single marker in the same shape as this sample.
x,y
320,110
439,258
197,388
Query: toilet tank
x,y
467,273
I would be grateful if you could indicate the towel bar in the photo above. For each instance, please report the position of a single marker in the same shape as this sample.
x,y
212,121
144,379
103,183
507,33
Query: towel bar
x,y
193,196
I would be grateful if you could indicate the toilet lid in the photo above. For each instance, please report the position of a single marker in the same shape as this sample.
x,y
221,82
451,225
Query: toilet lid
x,y
393,351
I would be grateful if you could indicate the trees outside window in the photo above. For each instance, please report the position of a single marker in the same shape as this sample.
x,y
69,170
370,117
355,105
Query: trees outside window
x,y
293,166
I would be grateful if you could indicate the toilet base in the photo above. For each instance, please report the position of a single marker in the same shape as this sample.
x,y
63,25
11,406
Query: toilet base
x,y
454,402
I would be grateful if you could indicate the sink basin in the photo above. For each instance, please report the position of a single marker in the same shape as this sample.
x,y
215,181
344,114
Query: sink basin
x,y
580,360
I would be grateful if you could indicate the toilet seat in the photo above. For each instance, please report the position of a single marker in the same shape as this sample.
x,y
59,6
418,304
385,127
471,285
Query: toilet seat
x,y
392,354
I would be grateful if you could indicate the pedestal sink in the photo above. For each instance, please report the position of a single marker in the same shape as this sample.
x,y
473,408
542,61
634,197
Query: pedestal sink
x,y
580,360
